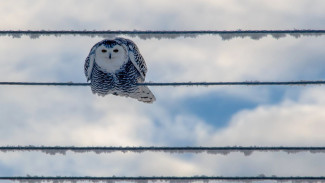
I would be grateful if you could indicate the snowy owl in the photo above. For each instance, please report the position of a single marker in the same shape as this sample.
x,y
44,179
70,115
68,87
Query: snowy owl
x,y
115,66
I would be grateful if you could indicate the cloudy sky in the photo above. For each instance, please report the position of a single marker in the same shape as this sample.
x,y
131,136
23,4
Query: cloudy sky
x,y
181,116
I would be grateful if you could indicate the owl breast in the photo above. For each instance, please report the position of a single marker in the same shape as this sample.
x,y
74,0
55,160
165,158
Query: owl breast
x,y
120,82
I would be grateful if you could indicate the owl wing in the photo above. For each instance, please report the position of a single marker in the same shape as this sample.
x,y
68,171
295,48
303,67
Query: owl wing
x,y
90,60
86,68
135,56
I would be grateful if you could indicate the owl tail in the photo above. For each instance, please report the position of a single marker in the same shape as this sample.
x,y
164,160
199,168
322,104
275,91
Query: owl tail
x,y
143,94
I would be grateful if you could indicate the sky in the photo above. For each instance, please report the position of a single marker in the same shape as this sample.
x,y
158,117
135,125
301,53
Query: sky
x,y
181,116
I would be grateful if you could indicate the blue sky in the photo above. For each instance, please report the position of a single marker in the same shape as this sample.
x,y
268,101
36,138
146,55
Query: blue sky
x,y
181,116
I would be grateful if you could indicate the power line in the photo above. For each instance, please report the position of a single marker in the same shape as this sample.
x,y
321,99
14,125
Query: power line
x,y
85,32
248,83
44,84
225,34
211,150
235,83
151,148
169,178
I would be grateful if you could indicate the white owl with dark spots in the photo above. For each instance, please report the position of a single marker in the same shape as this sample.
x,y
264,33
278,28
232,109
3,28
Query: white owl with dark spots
x,y
115,66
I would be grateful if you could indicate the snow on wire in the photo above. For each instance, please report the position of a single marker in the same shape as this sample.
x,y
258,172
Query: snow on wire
x,y
53,150
113,179
224,34
319,82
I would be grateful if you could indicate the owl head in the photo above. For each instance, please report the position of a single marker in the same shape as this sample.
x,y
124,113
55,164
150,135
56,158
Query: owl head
x,y
109,55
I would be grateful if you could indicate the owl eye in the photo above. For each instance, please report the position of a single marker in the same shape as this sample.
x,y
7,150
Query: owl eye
x,y
104,51
116,50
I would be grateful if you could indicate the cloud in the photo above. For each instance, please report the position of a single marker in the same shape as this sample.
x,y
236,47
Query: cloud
x,y
145,14
290,123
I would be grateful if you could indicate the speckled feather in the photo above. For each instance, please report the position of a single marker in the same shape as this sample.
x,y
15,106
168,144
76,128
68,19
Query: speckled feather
x,y
123,81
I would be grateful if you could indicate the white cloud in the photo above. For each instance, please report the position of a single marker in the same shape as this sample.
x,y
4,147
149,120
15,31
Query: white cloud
x,y
290,123
145,14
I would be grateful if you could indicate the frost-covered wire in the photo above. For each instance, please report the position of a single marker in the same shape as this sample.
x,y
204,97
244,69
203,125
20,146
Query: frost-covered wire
x,y
320,82
166,179
52,150
44,83
224,34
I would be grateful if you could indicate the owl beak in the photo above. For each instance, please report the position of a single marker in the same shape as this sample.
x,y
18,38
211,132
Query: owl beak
x,y
110,56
